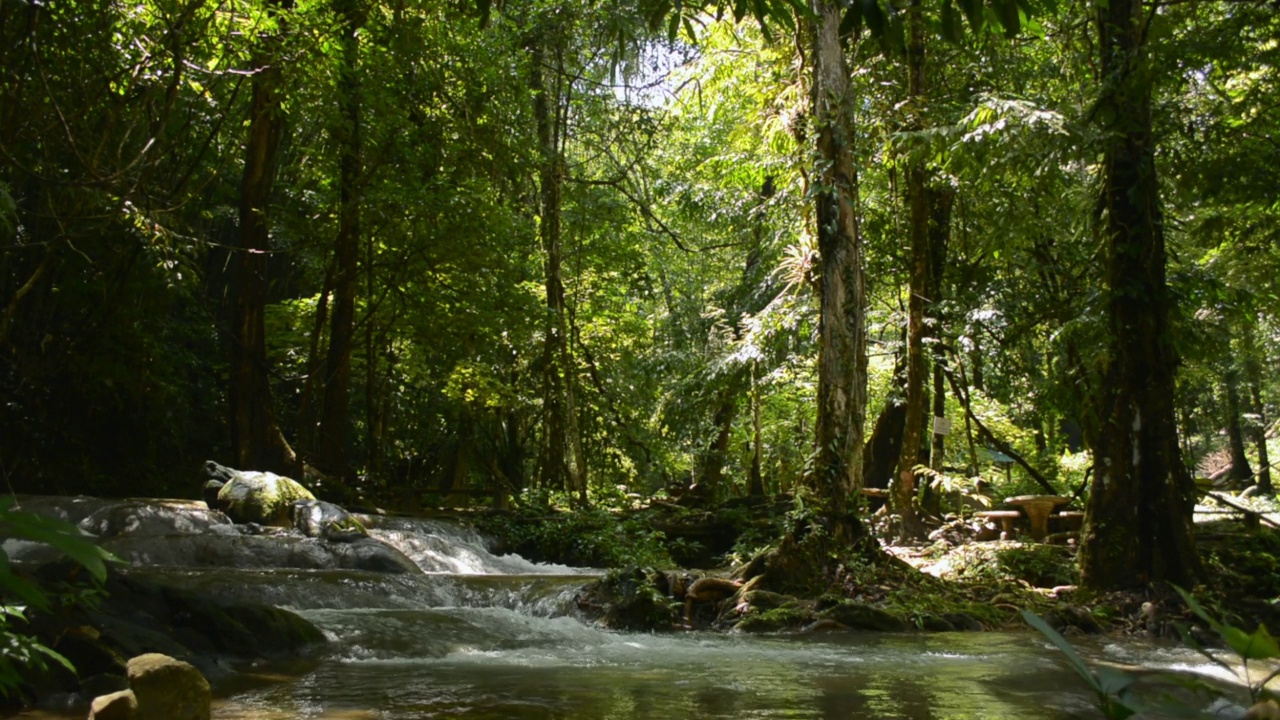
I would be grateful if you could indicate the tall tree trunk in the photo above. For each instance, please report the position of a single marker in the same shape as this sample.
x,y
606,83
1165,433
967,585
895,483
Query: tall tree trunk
x,y
940,201
306,438
755,486
718,451
1138,526
1259,432
256,437
904,482
1240,470
335,418
1258,424
842,358
561,463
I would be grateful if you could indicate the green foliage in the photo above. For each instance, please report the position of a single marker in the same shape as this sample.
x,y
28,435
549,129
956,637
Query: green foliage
x,y
1036,564
593,537
21,654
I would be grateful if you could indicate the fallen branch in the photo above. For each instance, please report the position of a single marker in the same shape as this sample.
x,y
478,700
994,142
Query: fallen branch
x,y
1001,445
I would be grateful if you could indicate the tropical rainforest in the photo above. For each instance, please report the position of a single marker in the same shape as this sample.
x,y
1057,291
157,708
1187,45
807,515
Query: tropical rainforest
x,y
602,254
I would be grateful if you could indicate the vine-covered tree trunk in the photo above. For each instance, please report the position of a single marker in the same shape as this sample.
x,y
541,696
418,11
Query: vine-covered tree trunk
x,y
561,464
335,420
842,355
904,481
256,437
1138,526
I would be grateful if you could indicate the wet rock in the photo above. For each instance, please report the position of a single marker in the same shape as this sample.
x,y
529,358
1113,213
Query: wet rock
x,y
122,705
373,555
933,623
825,625
1072,618
136,517
962,621
168,689
320,519
261,497
787,618
629,600
210,492
104,684
860,616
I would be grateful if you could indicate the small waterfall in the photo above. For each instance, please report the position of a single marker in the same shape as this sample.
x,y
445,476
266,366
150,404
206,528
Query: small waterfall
x,y
444,547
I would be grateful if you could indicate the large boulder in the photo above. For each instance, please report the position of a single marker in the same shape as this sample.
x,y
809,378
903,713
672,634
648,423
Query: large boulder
x,y
154,517
169,689
256,497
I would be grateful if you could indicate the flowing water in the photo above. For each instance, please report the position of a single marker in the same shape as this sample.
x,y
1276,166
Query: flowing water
x,y
480,636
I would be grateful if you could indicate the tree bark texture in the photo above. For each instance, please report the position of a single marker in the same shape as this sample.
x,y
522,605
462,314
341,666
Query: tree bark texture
x,y
904,482
256,437
561,464
335,418
1138,526
842,358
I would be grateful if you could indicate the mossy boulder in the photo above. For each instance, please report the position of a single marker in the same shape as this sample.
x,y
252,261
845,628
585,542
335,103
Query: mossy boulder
x,y
169,689
261,497
631,599
860,616
783,618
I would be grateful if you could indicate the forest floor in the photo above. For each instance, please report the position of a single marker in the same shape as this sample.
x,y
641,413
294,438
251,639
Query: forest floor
x,y
992,581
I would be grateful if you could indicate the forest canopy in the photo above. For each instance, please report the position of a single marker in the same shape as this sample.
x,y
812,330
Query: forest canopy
x,y
632,250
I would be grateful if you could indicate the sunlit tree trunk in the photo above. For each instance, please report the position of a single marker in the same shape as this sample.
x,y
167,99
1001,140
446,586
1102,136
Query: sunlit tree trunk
x,y
842,355
1138,526
1253,380
904,481
335,418
562,465
256,437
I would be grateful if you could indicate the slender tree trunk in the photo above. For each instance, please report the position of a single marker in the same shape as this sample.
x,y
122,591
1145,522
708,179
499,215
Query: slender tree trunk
x,y
756,481
561,462
904,482
940,201
307,422
1260,441
1240,470
256,436
1138,526
1258,425
335,418
718,451
842,359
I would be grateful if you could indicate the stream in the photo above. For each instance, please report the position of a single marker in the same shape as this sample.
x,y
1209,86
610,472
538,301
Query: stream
x,y
484,636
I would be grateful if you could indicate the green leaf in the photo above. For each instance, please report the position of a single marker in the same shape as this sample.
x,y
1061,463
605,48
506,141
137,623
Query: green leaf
x,y
1257,646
